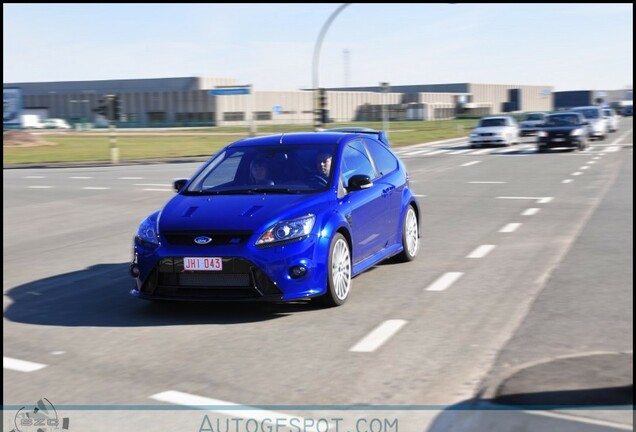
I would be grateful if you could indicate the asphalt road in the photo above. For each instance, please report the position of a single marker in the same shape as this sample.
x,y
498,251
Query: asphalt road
x,y
524,258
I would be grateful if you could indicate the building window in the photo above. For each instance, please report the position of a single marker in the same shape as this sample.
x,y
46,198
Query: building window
x,y
234,116
263,115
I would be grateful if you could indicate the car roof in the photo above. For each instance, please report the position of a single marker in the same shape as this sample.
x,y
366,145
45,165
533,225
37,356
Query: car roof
x,y
586,107
495,117
295,138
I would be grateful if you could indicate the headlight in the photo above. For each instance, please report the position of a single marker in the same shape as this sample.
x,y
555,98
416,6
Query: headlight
x,y
542,134
474,135
287,230
148,231
576,132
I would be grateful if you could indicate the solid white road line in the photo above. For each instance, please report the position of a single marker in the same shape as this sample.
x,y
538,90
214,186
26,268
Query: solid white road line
x,y
481,251
471,163
378,336
21,365
95,188
511,227
444,281
243,411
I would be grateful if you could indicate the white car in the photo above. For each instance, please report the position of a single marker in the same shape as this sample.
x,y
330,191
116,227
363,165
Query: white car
x,y
530,124
612,119
495,130
596,119
56,123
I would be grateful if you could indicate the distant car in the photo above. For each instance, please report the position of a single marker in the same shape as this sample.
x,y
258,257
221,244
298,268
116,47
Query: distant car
x,y
612,119
597,121
56,123
563,129
495,130
627,111
528,125
302,234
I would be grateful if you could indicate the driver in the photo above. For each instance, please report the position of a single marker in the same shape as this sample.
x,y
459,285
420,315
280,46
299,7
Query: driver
x,y
323,162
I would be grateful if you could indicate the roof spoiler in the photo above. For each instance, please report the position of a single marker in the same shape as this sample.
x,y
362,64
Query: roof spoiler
x,y
382,137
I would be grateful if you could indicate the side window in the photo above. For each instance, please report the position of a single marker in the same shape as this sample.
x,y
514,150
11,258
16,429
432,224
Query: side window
x,y
385,161
355,160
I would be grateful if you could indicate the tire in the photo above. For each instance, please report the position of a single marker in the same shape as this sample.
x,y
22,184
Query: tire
x,y
410,236
338,272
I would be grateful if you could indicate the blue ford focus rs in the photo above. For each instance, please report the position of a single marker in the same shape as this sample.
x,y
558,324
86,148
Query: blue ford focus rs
x,y
279,218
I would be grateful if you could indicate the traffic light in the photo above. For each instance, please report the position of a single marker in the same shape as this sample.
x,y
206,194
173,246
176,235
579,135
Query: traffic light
x,y
102,108
322,106
116,108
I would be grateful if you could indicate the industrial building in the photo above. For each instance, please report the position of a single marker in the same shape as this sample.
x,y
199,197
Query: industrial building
x,y
195,101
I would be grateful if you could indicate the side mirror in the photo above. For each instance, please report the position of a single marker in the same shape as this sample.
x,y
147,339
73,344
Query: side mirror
x,y
359,181
179,184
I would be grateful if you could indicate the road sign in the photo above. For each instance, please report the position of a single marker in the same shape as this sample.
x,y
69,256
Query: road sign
x,y
277,109
229,91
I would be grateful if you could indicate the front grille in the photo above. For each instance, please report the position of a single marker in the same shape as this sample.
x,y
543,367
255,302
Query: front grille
x,y
487,134
239,279
559,134
219,238
209,279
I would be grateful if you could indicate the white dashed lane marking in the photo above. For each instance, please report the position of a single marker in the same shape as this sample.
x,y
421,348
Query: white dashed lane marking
x,y
444,281
378,336
481,251
21,365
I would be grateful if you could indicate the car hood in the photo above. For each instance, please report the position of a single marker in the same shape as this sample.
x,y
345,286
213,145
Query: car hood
x,y
491,129
235,212
561,128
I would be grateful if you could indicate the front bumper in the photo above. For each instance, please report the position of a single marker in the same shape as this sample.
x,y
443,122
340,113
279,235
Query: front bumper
x,y
570,141
248,273
488,140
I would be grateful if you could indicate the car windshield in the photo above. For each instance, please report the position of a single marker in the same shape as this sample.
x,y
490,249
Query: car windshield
x,y
562,120
277,169
534,117
492,122
590,113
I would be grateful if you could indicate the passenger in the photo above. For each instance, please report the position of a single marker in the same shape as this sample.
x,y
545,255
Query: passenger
x,y
259,172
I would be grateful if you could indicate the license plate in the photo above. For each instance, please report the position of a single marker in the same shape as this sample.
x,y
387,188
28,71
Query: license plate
x,y
558,139
203,264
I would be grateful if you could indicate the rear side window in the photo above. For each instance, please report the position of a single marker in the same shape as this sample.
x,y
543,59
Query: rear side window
x,y
385,161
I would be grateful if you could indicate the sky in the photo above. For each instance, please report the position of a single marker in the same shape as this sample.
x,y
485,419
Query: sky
x,y
271,46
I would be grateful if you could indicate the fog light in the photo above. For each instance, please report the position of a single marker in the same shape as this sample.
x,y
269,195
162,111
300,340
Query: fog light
x,y
297,271
134,271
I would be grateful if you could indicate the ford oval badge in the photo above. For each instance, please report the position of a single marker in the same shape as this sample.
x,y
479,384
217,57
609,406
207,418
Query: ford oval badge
x,y
202,240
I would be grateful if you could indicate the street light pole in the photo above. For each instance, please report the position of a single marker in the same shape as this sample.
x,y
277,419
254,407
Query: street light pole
x,y
385,122
315,83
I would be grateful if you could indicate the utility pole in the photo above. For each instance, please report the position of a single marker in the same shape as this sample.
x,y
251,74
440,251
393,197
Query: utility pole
x,y
111,110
